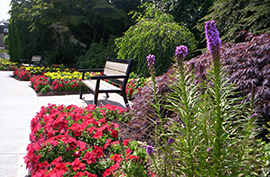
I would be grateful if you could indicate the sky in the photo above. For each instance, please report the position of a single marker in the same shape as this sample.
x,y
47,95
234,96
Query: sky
x,y
4,8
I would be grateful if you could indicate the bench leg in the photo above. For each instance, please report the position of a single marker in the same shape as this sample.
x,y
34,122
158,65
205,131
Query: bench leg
x,y
81,91
96,98
125,98
96,92
107,95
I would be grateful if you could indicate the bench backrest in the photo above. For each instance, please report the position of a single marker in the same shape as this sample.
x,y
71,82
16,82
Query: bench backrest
x,y
118,67
36,59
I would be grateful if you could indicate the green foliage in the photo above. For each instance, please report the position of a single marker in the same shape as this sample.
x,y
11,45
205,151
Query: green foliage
x,y
6,40
214,132
158,35
63,53
96,55
135,166
22,42
233,16
187,13
42,27
89,21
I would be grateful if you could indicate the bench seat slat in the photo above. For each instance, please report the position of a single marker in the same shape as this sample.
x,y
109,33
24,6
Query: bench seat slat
x,y
103,85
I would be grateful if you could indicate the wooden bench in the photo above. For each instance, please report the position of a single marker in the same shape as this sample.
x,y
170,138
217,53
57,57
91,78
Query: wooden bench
x,y
34,61
116,71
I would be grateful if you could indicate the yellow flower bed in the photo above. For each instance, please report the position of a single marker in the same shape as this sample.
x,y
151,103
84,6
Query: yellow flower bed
x,y
68,75
39,70
6,62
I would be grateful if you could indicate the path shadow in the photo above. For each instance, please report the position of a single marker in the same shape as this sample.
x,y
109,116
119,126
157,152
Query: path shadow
x,y
104,102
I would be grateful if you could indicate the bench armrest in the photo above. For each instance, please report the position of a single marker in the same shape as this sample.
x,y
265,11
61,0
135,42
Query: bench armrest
x,y
23,60
109,77
91,70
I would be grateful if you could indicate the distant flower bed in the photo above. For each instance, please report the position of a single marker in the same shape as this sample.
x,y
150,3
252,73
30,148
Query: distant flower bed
x,y
74,141
58,81
7,65
59,78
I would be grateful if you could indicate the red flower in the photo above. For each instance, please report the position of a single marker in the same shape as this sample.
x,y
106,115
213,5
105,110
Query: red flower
x,y
103,120
107,172
81,144
115,142
108,143
79,174
125,142
97,135
133,157
128,151
117,158
86,173
77,165
98,151
114,133
89,158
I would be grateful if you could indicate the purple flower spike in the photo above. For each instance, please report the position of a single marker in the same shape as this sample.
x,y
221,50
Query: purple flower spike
x,y
212,37
181,52
209,149
254,115
157,122
151,61
171,140
149,150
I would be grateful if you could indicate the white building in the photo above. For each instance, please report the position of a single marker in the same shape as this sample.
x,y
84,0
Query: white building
x,y
3,32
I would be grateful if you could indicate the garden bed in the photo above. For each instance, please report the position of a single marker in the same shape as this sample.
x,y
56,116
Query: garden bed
x,y
82,141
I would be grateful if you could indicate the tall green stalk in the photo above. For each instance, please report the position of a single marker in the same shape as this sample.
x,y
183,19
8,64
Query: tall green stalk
x,y
218,119
215,133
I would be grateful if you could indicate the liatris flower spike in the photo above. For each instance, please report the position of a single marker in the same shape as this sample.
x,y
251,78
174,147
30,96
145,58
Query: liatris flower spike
x,y
212,37
171,140
151,61
149,150
180,53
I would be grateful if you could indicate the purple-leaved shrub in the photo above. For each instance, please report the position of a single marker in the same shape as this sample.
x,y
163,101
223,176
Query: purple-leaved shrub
x,y
248,65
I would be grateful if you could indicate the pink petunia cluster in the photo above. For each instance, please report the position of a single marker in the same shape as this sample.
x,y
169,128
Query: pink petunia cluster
x,y
72,141
37,82
22,74
70,85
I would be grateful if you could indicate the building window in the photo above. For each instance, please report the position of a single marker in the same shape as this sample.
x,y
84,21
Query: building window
x,y
5,30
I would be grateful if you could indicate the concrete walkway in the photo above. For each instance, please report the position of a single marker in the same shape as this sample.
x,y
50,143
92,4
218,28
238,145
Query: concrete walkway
x,y
18,105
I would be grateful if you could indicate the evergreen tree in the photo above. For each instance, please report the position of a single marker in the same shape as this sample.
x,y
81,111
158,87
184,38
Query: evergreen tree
x,y
233,16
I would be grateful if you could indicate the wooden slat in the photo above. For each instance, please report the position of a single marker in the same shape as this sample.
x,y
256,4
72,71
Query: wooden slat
x,y
25,64
115,68
36,58
103,85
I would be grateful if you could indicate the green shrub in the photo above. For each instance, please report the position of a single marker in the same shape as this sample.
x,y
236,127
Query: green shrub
x,y
158,35
97,54
65,53
45,89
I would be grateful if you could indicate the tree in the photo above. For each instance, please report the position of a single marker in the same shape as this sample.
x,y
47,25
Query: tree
x,y
88,20
43,21
155,33
236,15
187,13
